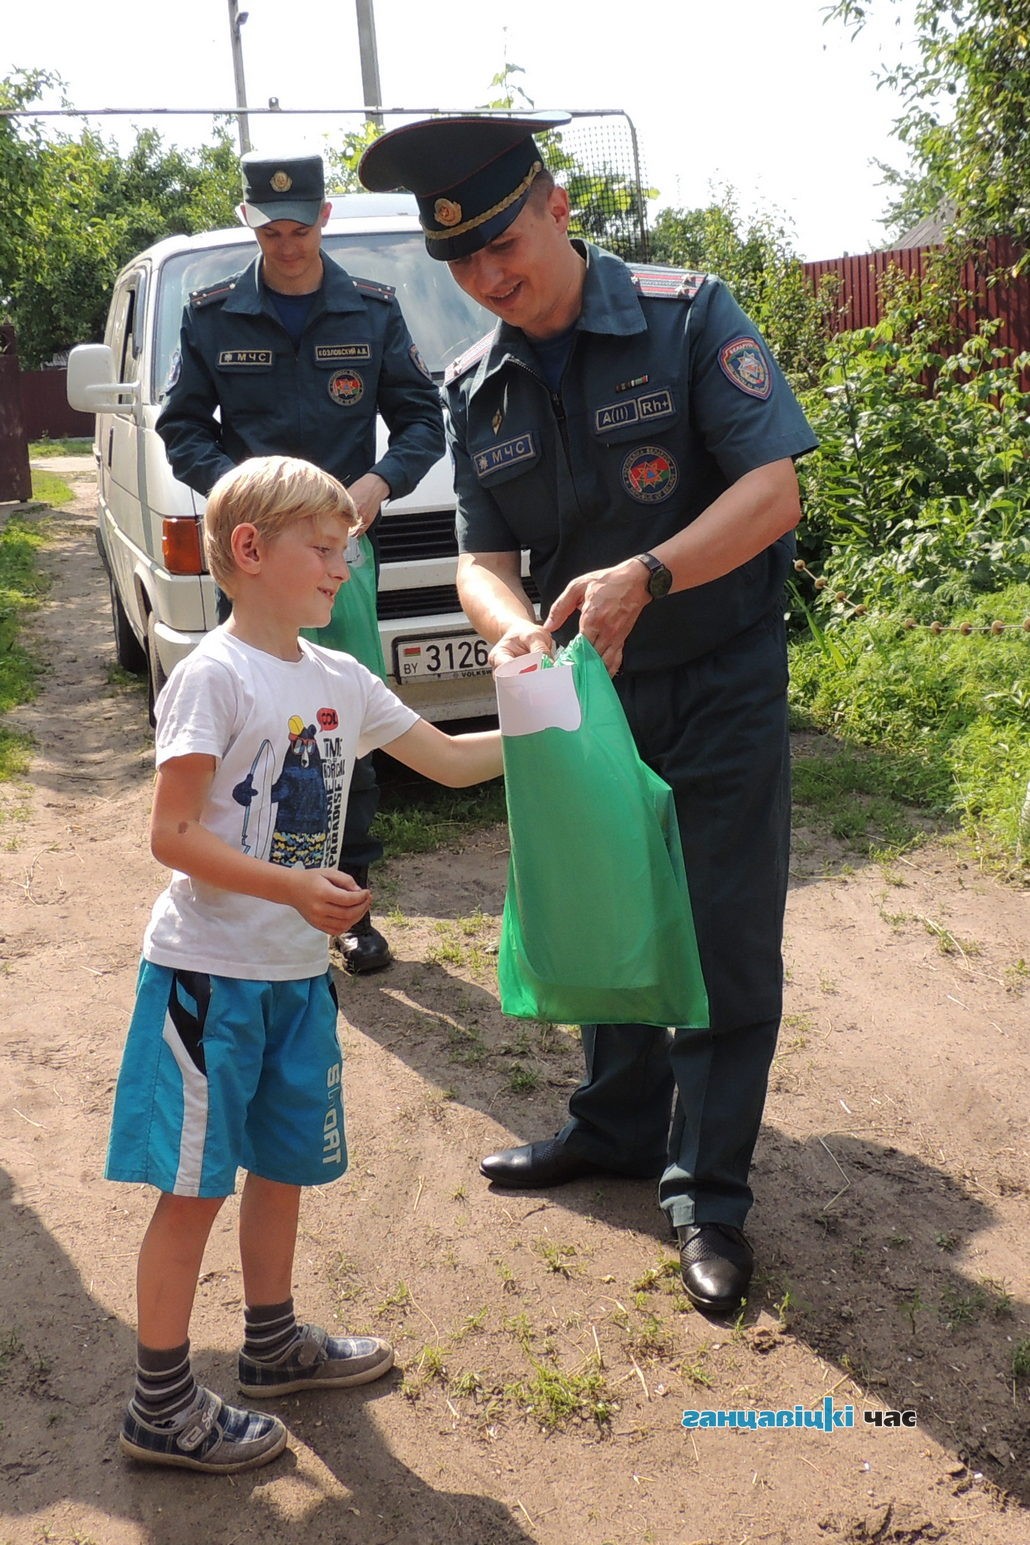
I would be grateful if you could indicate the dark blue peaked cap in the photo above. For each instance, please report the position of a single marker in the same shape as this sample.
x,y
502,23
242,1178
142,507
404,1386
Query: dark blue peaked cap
x,y
470,174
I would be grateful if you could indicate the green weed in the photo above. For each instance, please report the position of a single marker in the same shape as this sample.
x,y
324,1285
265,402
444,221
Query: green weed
x,y
555,1398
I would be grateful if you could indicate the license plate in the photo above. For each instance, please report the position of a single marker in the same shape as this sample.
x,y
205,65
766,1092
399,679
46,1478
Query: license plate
x,y
452,654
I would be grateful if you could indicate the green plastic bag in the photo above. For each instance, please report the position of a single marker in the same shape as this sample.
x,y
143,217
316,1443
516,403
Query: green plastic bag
x,y
354,626
597,925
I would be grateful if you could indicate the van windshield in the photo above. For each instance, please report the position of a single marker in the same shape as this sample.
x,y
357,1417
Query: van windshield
x,y
442,319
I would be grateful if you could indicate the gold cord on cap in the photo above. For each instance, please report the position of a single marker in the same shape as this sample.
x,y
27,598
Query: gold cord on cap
x,y
488,214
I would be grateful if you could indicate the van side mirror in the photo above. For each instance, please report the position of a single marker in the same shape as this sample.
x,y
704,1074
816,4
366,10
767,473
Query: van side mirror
x,y
91,384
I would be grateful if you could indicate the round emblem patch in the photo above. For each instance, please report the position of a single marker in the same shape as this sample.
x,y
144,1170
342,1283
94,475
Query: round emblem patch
x,y
346,387
282,182
744,363
649,474
446,212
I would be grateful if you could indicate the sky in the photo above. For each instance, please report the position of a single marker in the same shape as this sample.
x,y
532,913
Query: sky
x,y
763,96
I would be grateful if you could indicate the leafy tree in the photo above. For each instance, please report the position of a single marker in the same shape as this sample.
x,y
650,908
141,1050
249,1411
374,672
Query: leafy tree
x,y
758,262
76,211
966,115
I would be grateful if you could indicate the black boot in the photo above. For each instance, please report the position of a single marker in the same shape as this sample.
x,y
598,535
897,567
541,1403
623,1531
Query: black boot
x,y
363,947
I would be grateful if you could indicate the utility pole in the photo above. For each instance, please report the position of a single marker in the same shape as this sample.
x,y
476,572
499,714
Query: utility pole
x,y
236,20
369,60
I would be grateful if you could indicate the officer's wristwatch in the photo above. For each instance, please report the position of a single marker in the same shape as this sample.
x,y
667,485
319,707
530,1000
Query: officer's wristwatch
x,y
659,580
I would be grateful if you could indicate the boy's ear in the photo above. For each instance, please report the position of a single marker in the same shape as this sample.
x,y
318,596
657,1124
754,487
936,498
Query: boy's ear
x,y
247,547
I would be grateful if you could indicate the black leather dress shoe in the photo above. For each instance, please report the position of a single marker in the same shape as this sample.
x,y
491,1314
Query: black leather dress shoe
x,y
716,1261
363,948
549,1163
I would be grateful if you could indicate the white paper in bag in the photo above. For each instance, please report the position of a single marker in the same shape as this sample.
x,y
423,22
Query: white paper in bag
x,y
530,699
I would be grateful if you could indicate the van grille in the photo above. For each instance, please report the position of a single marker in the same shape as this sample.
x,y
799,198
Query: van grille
x,y
404,537
392,604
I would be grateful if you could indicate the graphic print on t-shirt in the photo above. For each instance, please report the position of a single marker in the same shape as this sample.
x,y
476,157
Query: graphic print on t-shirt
x,y
306,797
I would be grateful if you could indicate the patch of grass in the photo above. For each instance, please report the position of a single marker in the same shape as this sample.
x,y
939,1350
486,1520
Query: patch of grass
x,y
21,586
418,818
400,1298
932,721
555,1256
38,449
1021,1359
656,1276
48,488
966,1305
555,1398
523,1080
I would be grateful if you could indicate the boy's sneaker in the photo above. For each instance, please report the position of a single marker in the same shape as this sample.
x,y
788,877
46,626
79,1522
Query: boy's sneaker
x,y
317,1361
209,1435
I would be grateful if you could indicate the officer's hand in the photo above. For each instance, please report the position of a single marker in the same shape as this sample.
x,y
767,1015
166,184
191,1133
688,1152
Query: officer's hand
x,y
328,899
368,494
609,601
521,638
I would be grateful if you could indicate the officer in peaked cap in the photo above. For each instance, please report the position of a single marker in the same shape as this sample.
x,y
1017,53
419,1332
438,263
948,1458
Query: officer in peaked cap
x,y
292,356
628,426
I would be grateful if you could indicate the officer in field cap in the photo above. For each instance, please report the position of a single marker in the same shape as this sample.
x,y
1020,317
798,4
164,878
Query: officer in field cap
x,y
471,176
282,189
294,357
628,426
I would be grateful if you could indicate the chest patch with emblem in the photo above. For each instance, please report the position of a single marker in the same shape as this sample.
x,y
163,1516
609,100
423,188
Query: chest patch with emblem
x,y
649,474
243,358
634,410
506,454
325,353
743,362
346,387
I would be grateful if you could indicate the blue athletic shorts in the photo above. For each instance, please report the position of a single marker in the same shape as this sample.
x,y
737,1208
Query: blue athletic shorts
x,y
220,1074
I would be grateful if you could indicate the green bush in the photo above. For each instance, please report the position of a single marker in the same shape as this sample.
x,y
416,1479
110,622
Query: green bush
x,y
952,708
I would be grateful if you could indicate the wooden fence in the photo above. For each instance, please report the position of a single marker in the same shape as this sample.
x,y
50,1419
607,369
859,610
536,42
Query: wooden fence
x,y
1007,298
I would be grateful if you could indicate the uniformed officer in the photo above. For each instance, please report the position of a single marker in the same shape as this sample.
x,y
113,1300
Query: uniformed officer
x,y
629,427
297,357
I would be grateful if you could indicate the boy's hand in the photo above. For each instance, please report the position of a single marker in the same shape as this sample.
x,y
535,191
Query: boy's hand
x,y
328,899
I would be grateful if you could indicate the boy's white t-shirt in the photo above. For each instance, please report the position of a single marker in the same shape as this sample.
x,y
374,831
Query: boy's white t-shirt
x,y
285,735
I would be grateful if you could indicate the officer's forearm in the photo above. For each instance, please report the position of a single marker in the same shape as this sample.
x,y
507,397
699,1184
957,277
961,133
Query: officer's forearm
x,y
491,592
753,513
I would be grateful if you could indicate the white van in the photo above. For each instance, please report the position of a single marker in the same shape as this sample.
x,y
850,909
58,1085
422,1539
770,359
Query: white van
x,y
148,526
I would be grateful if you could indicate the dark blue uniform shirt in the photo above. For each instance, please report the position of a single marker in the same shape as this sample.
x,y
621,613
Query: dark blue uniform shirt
x,y
668,397
317,400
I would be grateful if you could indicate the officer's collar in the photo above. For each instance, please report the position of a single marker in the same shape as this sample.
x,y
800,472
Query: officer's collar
x,y
610,303
337,291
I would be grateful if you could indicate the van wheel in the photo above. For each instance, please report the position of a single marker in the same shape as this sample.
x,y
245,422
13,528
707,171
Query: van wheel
x,y
156,674
128,650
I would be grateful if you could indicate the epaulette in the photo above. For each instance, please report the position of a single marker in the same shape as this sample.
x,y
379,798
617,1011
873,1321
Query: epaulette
x,y
372,287
471,356
667,283
220,291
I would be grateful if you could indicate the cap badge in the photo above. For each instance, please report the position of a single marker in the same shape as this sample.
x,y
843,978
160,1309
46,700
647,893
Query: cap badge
x,y
446,212
282,182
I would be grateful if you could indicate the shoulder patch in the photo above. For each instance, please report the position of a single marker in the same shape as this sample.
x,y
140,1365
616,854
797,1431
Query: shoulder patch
x,y
667,283
472,356
213,292
371,287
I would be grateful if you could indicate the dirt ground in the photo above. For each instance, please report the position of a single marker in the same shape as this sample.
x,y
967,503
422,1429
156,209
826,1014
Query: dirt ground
x,y
890,1223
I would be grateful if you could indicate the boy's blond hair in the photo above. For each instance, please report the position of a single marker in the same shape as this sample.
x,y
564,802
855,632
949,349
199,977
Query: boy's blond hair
x,y
268,493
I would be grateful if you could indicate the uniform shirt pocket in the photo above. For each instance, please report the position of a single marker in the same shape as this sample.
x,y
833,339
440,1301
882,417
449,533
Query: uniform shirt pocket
x,y
634,417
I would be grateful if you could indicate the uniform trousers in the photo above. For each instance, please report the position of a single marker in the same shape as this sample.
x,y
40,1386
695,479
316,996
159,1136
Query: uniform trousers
x,y
688,1103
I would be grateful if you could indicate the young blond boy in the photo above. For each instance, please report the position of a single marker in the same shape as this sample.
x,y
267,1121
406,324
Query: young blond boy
x,y
232,1058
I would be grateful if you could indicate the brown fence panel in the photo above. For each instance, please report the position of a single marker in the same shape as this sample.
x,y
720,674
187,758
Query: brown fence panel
x,y
15,474
46,410
1005,298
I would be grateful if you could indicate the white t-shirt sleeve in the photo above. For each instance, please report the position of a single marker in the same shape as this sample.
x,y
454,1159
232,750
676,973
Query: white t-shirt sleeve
x,y
385,716
197,711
